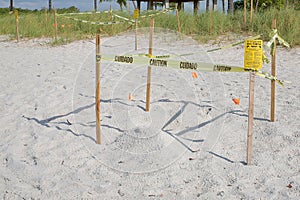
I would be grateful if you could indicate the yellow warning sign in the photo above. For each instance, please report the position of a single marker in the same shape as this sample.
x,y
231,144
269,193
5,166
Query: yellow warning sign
x,y
16,13
253,54
136,13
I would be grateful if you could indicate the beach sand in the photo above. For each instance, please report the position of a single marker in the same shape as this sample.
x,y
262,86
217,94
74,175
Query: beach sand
x,y
191,145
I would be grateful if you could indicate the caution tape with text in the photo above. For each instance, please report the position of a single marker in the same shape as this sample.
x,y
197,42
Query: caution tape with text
x,y
184,65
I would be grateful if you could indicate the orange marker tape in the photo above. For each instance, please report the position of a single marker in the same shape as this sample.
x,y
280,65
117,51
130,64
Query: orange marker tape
x,y
130,97
194,75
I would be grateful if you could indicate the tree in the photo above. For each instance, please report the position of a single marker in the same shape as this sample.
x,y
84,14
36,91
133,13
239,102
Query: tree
x,y
95,5
120,2
11,7
230,6
207,5
50,5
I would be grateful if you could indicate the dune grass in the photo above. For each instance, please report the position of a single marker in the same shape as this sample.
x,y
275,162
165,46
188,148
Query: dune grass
x,y
41,24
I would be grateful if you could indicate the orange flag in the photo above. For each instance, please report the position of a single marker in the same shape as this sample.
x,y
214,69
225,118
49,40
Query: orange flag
x,y
236,101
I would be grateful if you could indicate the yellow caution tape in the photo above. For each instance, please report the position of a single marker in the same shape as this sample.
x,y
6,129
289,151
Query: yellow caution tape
x,y
124,18
265,59
93,23
83,13
274,36
185,65
234,44
155,14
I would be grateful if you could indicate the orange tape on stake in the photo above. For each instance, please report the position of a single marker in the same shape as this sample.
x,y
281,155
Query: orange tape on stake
x,y
130,97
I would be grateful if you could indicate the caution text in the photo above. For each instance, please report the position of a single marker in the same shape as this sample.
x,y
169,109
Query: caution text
x,y
188,65
125,59
222,68
159,63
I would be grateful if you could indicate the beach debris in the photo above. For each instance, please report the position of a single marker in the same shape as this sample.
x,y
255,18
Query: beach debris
x,y
120,193
209,109
191,158
68,122
289,185
221,193
154,195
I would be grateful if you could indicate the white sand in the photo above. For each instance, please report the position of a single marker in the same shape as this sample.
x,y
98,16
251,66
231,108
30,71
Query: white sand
x,y
191,145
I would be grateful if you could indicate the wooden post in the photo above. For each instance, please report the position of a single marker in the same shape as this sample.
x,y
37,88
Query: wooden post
x,y
110,11
195,7
178,21
17,24
245,14
136,33
251,11
273,72
111,19
11,6
250,117
46,17
97,103
223,6
136,16
55,24
149,67
210,21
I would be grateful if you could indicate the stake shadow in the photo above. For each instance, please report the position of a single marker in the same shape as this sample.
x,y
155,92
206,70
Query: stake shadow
x,y
46,122
174,117
242,114
222,157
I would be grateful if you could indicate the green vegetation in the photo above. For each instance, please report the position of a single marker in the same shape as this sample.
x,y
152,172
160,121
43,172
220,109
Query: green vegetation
x,y
33,24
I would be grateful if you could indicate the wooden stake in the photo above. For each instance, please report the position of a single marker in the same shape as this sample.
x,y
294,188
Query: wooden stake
x,y
17,25
136,13
97,103
149,67
55,24
178,21
136,33
245,14
250,117
110,11
210,21
273,72
251,11
111,19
